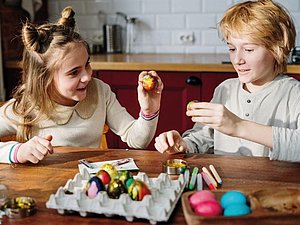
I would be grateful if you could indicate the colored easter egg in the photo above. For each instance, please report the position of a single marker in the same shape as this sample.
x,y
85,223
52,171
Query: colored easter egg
x,y
149,82
124,176
233,197
237,209
209,208
188,107
93,186
137,190
104,176
201,196
129,182
115,188
110,169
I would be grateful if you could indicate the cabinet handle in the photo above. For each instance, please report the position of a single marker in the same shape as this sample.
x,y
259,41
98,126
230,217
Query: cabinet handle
x,y
192,80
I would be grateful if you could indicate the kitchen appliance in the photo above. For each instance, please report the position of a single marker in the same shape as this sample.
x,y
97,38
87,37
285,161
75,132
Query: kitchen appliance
x,y
295,58
130,23
112,38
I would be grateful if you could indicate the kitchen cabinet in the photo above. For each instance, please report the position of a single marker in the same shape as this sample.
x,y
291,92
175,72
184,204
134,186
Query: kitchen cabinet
x,y
176,94
210,81
12,17
296,76
179,89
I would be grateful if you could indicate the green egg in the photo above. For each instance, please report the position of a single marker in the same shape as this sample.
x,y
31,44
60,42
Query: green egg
x,y
124,176
128,182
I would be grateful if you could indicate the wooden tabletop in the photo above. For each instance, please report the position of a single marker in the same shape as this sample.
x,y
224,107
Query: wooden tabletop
x,y
162,62
41,180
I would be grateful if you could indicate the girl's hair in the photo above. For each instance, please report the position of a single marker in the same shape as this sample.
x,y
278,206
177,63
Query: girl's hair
x,y
265,23
45,46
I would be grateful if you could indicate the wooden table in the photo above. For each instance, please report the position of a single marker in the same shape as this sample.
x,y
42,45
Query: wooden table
x,y
42,180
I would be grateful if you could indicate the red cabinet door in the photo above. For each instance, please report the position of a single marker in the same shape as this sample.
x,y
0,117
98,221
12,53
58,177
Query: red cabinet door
x,y
176,94
296,76
210,81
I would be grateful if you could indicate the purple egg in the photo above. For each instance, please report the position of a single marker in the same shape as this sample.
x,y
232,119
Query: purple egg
x,y
93,186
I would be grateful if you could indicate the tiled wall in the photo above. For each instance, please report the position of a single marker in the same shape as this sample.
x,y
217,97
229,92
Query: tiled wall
x,y
161,23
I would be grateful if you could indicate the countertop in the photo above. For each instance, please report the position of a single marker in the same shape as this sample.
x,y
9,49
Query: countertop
x,y
162,62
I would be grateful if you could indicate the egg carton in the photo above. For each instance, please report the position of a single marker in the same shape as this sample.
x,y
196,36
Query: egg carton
x,y
156,207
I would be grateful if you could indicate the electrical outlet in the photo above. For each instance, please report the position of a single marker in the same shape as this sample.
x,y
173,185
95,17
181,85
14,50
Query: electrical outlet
x,y
187,38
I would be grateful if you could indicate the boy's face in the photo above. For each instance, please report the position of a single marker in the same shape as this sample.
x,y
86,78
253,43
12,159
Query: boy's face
x,y
71,79
253,63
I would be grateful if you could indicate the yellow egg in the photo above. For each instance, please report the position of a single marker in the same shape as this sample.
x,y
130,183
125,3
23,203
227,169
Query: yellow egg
x,y
110,169
188,107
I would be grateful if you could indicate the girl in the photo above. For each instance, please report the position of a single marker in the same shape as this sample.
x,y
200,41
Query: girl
x,y
58,103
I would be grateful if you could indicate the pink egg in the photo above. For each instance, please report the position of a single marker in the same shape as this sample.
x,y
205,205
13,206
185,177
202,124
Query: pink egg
x,y
201,196
209,208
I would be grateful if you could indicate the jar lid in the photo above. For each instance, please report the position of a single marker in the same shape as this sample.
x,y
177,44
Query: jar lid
x,y
20,207
174,166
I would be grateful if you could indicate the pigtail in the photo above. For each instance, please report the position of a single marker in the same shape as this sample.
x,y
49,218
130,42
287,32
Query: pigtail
x,y
36,38
67,18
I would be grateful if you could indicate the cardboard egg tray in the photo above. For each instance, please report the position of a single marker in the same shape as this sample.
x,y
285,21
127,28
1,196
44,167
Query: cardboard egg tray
x,y
156,207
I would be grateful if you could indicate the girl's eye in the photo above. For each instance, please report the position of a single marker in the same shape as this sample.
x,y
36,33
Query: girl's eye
x,y
74,72
231,49
249,50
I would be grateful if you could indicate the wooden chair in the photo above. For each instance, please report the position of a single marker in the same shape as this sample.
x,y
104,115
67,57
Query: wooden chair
x,y
8,137
103,145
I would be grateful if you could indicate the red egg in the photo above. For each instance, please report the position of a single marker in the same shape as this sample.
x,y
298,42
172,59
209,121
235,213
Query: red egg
x,y
104,176
209,208
201,196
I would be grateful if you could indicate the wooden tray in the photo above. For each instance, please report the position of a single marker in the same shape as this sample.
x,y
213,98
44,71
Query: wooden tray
x,y
270,206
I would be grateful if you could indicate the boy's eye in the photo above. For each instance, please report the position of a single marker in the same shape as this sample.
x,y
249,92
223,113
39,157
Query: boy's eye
x,y
88,64
249,50
231,49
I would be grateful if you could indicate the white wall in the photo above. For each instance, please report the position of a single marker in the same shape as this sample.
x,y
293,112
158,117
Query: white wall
x,y
161,22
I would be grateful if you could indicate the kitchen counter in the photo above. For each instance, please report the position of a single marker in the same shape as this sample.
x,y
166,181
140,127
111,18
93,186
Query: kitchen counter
x,y
163,62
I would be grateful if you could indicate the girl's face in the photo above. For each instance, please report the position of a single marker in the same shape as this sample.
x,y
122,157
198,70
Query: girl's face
x,y
71,79
253,63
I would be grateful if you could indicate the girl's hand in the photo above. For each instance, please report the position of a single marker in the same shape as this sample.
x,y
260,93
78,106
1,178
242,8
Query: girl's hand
x,y
35,149
215,116
170,142
149,100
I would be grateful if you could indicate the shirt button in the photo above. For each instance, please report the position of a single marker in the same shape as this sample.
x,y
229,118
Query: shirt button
x,y
248,101
247,114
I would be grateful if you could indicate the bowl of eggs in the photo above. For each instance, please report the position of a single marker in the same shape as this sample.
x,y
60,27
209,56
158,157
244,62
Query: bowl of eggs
x,y
236,207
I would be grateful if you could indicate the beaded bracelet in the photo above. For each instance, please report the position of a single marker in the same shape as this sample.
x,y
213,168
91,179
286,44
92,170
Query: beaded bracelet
x,y
16,152
149,116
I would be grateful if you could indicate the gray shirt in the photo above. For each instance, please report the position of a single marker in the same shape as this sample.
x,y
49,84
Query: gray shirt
x,y
276,104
